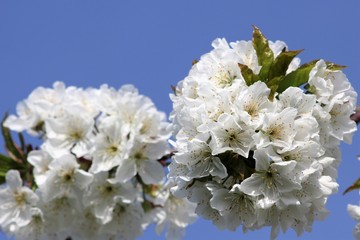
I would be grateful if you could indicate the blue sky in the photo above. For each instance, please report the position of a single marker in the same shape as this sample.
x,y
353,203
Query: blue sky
x,y
151,44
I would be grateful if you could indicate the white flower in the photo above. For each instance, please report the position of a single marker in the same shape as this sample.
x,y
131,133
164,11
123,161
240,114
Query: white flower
x,y
235,206
341,126
16,201
64,178
84,99
110,146
60,214
150,125
354,211
103,196
123,103
219,68
72,133
252,102
40,159
42,103
126,221
247,54
198,193
228,135
278,129
329,84
270,179
28,119
35,229
143,160
296,98
178,213
200,161
88,227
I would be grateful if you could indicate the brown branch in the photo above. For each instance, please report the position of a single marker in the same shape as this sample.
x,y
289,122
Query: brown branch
x,y
356,115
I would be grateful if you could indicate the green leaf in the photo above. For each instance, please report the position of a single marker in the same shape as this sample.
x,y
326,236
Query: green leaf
x,y
2,179
297,77
264,53
356,185
9,143
7,163
248,74
334,66
4,159
273,84
22,142
147,206
282,62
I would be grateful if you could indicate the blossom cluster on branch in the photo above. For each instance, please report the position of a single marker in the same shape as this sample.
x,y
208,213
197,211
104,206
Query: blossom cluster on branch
x,y
99,172
258,134
354,211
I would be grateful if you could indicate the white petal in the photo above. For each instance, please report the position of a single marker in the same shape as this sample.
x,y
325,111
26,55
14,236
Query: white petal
x,y
13,180
354,211
218,170
151,171
252,185
262,160
125,171
83,179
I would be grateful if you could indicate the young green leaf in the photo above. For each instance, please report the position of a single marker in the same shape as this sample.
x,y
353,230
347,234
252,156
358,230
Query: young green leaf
x,y
249,76
173,88
297,77
356,185
2,178
334,67
8,163
9,143
282,62
264,53
273,84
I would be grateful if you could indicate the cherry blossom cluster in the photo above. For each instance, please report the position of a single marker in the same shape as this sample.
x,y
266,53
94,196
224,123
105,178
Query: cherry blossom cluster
x,y
99,172
258,134
354,211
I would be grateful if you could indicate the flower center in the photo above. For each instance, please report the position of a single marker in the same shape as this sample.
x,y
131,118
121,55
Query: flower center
x,y
224,78
112,150
76,135
67,176
139,156
20,198
275,131
252,109
109,189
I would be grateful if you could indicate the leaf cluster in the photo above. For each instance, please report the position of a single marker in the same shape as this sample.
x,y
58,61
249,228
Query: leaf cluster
x,y
16,157
273,69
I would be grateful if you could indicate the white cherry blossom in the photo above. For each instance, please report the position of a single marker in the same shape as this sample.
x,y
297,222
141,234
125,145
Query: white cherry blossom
x,y
143,160
16,201
355,213
64,178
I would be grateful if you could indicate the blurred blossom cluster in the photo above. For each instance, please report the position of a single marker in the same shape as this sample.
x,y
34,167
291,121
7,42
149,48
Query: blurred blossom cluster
x,y
258,134
99,172
354,211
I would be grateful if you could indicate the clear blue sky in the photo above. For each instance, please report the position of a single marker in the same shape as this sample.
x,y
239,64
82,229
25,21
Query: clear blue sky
x,y
151,44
